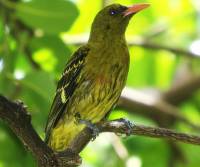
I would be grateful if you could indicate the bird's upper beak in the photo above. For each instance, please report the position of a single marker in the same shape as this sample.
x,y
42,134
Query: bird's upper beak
x,y
135,8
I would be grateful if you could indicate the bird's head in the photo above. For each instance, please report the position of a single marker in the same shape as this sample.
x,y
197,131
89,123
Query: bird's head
x,y
113,20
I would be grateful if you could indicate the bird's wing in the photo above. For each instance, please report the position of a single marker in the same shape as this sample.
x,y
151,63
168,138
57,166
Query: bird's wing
x,y
66,86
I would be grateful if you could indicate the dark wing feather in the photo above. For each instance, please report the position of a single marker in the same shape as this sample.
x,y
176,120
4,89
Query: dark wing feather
x,y
66,86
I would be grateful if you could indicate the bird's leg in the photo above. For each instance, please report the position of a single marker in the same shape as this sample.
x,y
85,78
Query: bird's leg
x,y
92,127
89,124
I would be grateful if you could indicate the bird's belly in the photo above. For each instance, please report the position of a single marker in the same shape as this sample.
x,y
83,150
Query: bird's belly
x,y
96,105
92,100
98,97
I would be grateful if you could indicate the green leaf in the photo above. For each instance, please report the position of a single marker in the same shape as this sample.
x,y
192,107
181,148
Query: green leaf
x,y
50,52
1,34
150,151
141,71
49,15
191,153
37,91
39,82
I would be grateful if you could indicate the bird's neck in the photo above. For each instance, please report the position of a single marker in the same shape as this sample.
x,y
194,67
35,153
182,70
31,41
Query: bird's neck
x,y
110,50
98,36
108,57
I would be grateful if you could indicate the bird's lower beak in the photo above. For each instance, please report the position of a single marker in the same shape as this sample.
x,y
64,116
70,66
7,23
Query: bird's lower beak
x,y
135,8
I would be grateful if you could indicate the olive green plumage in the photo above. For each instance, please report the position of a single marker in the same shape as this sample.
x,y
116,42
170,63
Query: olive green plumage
x,y
93,78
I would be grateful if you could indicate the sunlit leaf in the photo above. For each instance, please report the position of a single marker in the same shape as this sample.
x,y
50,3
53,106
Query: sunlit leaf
x,y
49,15
50,52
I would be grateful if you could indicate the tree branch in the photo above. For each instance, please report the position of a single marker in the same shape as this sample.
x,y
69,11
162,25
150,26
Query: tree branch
x,y
154,46
17,118
120,127
15,115
155,132
182,91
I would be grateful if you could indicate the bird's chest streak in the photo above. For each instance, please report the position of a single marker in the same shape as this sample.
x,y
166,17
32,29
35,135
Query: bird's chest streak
x,y
102,79
105,91
106,81
112,70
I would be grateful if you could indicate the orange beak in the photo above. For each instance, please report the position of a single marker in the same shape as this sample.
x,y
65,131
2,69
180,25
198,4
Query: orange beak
x,y
135,8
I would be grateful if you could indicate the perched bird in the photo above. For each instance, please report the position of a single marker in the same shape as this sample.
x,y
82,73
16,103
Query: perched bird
x,y
93,79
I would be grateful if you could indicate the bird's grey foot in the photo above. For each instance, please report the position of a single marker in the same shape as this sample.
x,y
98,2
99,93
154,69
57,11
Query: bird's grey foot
x,y
128,125
89,124
92,127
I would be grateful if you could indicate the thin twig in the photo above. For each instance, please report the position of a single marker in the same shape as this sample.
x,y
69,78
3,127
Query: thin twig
x,y
119,127
154,46
155,132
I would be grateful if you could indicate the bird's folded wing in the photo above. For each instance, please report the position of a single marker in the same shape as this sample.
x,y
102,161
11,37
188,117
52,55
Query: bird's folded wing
x,y
66,86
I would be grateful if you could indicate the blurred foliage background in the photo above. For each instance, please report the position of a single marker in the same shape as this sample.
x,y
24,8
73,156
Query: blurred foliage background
x,y
37,38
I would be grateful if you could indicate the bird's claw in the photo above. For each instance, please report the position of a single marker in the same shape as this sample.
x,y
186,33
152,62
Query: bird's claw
x,y
128,125
89,124
92,127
